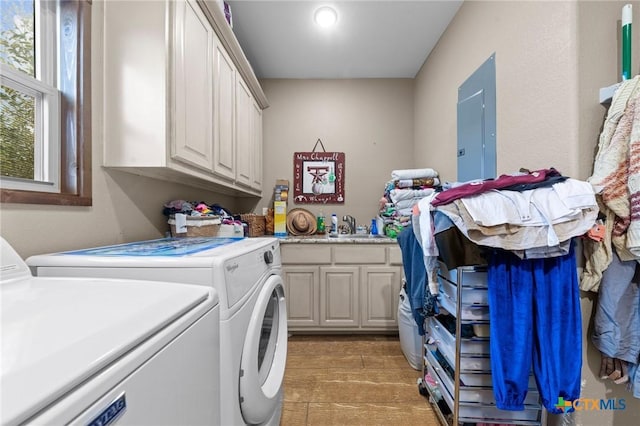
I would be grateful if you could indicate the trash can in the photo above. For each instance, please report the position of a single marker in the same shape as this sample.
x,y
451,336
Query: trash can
x,y
410,339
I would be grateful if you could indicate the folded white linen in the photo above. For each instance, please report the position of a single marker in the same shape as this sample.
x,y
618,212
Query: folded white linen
x,y
414,173
408,194
407,204
535,207
575,194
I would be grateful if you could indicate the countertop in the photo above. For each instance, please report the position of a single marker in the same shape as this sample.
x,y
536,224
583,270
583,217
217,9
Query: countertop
x,y
343,239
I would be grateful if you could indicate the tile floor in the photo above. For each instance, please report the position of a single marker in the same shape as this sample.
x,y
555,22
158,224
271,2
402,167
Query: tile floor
x,y
351,380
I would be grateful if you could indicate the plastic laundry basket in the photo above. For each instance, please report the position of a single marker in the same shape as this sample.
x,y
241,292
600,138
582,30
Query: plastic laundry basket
x,y
410,339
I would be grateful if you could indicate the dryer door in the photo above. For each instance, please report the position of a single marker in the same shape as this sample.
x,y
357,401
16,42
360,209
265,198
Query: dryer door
x,y
264,354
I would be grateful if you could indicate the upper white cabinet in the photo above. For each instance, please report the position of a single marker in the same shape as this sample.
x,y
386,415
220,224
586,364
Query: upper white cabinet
x,y
256,144
244,103
191,141
224,163
181,102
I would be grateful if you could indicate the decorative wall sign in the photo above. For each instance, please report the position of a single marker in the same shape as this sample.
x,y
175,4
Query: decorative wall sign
x,y
318,177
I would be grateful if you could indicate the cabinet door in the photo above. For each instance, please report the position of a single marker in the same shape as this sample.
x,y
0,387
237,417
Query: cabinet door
x,y
244,151
379,289
224,113
302,293
256,132
339,296
192,86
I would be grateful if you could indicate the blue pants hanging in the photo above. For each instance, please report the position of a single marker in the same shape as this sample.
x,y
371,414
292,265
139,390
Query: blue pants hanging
x,y
534,307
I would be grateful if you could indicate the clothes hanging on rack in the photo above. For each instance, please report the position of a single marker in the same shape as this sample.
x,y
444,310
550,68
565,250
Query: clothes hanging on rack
x,y
534,316
615,178
616,326
611,264
422,302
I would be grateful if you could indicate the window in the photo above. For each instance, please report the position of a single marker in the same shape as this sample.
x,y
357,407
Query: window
x,y
45,127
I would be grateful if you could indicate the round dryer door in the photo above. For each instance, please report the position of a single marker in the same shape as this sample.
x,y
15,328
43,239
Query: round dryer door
x,y
264,354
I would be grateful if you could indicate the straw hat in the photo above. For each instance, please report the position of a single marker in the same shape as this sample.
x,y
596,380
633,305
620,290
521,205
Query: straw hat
x,y
301,222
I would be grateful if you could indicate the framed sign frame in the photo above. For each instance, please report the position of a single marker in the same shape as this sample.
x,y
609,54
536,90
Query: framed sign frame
x,y
318,177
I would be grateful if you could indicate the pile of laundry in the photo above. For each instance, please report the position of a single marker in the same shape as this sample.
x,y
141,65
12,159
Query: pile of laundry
x,y
522,227
198,209
611,263
532,214
405,189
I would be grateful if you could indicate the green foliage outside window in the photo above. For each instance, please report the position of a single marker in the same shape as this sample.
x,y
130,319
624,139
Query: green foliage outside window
x,y
17,110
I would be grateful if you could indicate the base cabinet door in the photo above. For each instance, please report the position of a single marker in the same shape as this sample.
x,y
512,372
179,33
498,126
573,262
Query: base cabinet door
x,y
339,296
302,293
379,289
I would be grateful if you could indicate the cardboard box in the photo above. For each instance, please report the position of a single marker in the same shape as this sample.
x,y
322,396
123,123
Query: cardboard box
x,y
194,226
281,192
280,218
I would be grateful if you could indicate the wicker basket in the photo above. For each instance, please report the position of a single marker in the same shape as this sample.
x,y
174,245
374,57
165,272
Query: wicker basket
x,y
255,223
268,229
197,226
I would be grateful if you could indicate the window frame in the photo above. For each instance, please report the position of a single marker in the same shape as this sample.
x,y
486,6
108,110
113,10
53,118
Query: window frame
x,y
74,85
47,132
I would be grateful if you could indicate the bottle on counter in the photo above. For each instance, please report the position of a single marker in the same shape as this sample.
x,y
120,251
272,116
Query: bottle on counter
x,y
374,227
334,224
320,225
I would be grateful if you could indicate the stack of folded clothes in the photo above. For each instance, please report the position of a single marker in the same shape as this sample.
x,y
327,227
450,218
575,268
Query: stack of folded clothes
x,y
405,189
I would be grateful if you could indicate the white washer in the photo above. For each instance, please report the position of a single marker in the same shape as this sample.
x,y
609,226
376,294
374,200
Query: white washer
x,y
246,272
95,351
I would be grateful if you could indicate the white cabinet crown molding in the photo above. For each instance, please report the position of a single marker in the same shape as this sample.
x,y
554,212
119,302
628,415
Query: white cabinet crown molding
x,y
228,39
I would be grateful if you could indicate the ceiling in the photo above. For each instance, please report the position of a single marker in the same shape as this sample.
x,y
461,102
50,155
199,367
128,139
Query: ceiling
x,y
371,39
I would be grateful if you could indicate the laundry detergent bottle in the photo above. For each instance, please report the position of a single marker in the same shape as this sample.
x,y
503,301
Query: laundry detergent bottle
x,y
334,224
320,225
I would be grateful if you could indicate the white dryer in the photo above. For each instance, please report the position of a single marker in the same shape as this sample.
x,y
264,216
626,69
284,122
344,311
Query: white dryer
x,y
96,351
246,272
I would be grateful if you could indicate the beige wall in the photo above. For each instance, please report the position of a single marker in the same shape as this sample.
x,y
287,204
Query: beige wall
x,y
551,60
125,207
370,120
536,112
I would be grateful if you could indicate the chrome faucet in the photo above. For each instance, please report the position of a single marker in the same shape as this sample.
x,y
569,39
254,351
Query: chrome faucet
x,y
351,222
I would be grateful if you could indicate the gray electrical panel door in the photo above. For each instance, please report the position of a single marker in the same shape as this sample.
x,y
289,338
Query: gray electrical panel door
x,y
477,124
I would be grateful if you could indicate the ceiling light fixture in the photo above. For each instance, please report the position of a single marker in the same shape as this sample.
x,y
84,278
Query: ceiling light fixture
x,y
325,16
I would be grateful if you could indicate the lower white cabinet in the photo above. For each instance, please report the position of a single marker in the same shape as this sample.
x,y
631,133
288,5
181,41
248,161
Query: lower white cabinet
x,y
302,285
380,286
339,296
342,287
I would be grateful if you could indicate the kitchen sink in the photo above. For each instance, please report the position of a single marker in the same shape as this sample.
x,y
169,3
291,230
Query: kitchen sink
x,y
356,236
